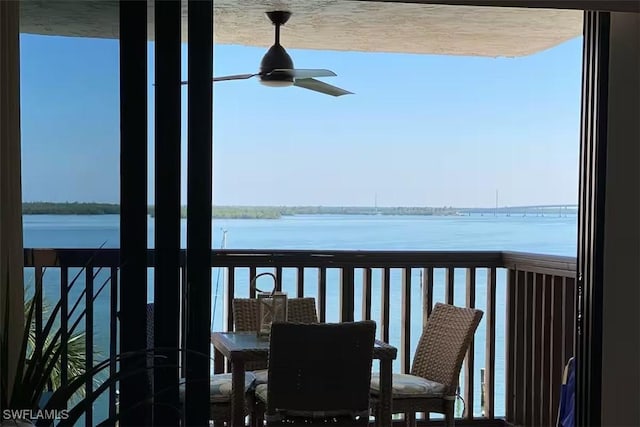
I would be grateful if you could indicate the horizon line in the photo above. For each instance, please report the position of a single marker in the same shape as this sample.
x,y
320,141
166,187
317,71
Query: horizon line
x,y
539,205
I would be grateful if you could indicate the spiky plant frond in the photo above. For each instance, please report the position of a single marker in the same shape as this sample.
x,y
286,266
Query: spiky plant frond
x,y
76,354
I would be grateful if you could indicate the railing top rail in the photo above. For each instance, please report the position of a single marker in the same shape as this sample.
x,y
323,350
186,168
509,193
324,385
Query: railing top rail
x,y
540,263
355,258
76,257
110,257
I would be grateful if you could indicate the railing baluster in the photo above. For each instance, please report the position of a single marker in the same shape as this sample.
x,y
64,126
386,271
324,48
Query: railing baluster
x,y
252,275
519,356
569,317
545,350
490,345
536,347
64,325
385,296
557,344
183,316
510,344
230,287
427,294
528,347
427,303
366,294
278,273
347,298
449,284
88,420
113,339
405,332
37,300
322,294
470,358
300,282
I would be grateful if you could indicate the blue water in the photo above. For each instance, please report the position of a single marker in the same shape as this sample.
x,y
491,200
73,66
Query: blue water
x,y
549,234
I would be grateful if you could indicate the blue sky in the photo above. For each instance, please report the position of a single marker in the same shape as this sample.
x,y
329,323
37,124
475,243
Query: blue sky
x,y
421,130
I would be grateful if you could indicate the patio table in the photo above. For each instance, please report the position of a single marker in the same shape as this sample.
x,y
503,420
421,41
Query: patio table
x,y
241,347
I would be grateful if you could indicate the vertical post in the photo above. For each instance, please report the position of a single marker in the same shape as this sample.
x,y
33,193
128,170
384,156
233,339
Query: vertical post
x,y
427,294
468,376
347,298
167,209
490,346
450,284
199,211
133,208
482,393
405,332
11,263
591,211
385,300
322,294
366,293
113,336
88,344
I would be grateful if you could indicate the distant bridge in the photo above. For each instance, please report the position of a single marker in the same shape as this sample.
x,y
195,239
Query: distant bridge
x,y
534,210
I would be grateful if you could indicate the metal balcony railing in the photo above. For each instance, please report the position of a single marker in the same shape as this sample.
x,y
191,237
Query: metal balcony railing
x,y
526,335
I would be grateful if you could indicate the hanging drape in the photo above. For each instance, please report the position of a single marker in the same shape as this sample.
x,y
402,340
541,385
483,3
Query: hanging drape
x,y
11,250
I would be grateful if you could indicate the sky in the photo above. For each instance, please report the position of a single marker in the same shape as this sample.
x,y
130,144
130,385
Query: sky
x,y
420,130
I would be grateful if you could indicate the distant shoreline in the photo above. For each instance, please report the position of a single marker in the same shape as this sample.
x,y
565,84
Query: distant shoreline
x,y
277,212
233,212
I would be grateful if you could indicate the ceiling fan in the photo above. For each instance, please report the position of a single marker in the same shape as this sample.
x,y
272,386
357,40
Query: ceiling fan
x,y
276,68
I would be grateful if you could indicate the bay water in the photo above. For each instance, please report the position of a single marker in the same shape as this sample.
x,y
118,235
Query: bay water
x,y
549,234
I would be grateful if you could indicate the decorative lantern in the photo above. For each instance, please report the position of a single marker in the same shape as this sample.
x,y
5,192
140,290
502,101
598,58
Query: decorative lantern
x,y
272,307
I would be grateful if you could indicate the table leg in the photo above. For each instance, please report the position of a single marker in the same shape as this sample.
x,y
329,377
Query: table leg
x,y
384,405
218,362
237,393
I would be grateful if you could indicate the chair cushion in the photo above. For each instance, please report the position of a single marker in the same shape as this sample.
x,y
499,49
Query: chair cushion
x,y
261,392
262,375
405,385
220,387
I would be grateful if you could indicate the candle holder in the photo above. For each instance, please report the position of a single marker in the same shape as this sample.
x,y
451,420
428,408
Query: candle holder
x,y
272,307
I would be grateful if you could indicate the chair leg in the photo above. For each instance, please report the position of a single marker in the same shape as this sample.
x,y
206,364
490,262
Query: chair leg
x,y
410,419
449,416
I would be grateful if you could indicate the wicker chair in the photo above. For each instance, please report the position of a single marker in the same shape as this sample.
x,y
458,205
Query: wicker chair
x,y
318,373
433,382
220,384
245,312
245,318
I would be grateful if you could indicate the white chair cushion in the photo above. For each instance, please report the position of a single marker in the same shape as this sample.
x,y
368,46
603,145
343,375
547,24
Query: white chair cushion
x,y
261,392
220,387
262,375
405,385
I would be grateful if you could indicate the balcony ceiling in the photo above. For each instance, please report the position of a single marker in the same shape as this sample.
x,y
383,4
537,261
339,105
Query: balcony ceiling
x,y
367,26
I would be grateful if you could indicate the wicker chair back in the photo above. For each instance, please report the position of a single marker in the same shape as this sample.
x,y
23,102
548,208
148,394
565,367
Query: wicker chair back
x,y
245,317
444,344
245,312
320,371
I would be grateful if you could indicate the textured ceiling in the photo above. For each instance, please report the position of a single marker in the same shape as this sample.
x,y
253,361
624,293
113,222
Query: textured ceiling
x,y
367,26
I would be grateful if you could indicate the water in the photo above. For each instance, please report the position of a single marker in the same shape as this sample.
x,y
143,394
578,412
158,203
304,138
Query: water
x,y
550,234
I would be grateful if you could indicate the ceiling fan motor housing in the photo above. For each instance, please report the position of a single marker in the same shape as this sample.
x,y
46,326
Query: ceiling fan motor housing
x,y
276,58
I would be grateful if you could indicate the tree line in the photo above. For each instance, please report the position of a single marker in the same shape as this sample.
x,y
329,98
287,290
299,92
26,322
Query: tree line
x,y
241,212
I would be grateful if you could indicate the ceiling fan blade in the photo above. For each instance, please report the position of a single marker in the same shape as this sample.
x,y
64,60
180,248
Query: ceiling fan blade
x,y
234,77
321,87
300,73
223,78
